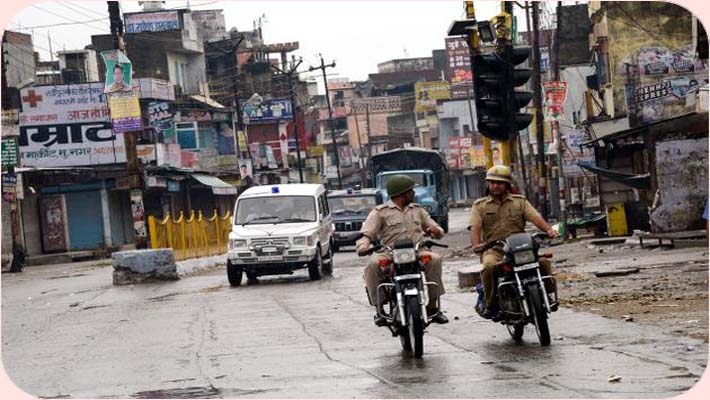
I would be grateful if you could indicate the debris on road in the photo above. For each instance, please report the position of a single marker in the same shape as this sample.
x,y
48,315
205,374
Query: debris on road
x,y
618,272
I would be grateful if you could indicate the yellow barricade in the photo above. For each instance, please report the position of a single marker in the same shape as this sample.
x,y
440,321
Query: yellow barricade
x,y
191,237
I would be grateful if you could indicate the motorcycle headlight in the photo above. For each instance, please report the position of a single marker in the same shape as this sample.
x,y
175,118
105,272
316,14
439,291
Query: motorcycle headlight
x,y
237,243
524,257
299,241
404,256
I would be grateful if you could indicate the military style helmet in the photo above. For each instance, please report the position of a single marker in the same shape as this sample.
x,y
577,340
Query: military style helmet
x,y
398,184
499,173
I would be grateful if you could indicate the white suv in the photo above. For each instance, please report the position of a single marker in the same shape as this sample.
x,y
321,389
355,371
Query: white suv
x,y
278,229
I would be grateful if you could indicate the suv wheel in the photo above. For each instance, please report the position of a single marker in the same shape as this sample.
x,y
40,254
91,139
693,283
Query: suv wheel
x,y
234,274
327,268
315,266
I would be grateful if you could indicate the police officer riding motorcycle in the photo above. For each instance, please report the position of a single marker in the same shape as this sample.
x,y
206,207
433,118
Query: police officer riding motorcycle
x,y
403,280
517,285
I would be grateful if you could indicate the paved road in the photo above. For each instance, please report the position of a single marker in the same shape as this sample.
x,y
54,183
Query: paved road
x,y
67,332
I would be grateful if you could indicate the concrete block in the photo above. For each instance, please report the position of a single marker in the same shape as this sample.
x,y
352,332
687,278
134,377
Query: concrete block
x,y
469,276
135,266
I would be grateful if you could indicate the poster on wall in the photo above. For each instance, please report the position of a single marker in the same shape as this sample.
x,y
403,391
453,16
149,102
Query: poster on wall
x,y
125,112
160,118
663,82
267,111
53,223
555,95
138,212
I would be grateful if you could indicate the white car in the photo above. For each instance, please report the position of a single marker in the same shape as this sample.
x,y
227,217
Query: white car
x,y
278,229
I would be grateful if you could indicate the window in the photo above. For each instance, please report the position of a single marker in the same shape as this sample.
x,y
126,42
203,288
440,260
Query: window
x,y
187,136
276,209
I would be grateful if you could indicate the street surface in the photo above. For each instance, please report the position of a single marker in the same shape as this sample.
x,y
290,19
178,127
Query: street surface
x,y
68,332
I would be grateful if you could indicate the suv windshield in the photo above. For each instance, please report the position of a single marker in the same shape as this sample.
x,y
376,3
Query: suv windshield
x,y
352,204
274,210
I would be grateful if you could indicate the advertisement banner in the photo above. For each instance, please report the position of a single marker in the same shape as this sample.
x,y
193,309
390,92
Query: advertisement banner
x,y
69,145
63,104
125,112
267,111
10,153
66,126
458,68
427,93
152,21
160,118
555,94
315,151
119,72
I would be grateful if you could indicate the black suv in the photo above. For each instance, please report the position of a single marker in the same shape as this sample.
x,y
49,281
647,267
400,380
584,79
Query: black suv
x,y
349,209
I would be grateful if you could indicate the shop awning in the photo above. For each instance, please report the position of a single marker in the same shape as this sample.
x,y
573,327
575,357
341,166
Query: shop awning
x,y
634,181
218,186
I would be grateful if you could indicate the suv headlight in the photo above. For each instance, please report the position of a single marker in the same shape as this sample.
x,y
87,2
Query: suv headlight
x,y
299,241
311,240
237,243
524,257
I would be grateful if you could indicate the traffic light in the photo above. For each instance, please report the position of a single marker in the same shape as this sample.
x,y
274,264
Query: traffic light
x,y
518,77
498,104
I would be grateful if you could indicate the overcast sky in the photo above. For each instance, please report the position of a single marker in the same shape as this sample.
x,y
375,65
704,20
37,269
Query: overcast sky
x,y
356,34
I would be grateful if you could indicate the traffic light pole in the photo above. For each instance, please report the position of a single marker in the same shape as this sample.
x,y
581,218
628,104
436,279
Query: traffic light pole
x,y
537,103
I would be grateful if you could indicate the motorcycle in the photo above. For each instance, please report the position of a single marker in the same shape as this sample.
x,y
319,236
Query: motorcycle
x,y
520,288
405,292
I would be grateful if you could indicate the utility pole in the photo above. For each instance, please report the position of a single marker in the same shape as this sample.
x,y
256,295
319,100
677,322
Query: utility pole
x,y
289,76
363,170
129,138
560,150
322,67
537,103
369,142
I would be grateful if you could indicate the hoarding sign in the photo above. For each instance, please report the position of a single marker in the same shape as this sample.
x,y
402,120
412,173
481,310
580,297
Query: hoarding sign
x,y
267,111
427,93
160,118
458,67
63,104
152,22
555,95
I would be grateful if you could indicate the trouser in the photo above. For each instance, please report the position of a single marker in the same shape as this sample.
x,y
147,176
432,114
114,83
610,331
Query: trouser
x,y
375,275
491,257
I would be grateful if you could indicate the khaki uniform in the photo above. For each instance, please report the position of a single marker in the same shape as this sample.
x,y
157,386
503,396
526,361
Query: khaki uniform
x,y
388,223
498,221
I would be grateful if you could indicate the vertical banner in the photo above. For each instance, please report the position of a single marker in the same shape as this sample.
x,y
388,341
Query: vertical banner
x,y
161,119
555,94
119,71
138,212
125,112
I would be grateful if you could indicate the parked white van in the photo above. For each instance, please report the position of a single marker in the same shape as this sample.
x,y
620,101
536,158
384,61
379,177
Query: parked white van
x,y
277,229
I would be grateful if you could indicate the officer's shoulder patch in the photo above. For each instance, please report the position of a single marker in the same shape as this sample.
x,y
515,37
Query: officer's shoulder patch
x,y
415,205
517,196
479,201
381,207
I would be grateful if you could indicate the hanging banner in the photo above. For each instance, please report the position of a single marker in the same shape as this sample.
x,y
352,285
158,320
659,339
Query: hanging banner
x,y
119,72
555,94
125,112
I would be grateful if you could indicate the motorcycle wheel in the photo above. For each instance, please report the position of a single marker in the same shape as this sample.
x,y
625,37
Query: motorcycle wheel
x,y
415,326
539,315
516,331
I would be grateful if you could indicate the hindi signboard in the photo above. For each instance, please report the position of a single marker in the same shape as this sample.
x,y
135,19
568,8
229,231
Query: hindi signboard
x,y
10,153
152,21
427,93
458,68
125,112
67,125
